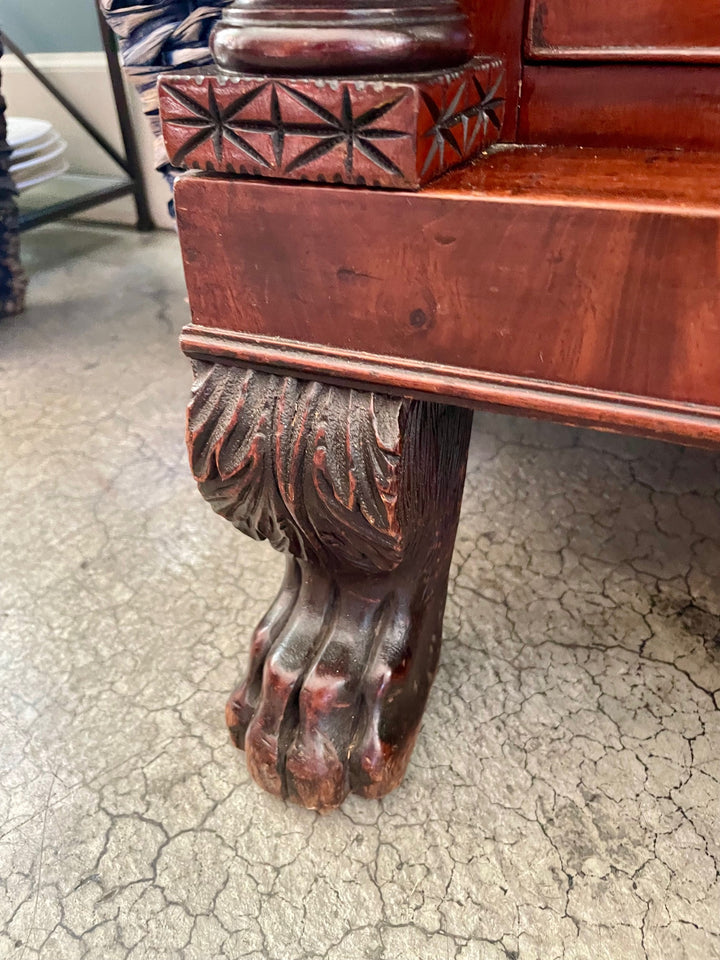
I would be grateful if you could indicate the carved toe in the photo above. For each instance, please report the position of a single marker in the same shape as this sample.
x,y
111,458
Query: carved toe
x,y
317,765
243,702
275,719
342,696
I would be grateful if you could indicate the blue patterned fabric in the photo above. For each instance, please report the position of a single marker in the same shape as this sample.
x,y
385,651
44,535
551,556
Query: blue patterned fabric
x,y
156,36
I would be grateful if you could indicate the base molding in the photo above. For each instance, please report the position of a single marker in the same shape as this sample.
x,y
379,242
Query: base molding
x,y
656,418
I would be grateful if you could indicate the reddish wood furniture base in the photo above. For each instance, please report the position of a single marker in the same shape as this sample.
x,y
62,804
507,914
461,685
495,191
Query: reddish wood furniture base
x,y
339,331
543,303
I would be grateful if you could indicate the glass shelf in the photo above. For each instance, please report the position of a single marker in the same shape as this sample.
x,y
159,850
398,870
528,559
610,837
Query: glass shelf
x,y
68,194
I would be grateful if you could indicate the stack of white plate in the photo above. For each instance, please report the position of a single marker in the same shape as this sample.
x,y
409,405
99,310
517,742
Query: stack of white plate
x,y
37,151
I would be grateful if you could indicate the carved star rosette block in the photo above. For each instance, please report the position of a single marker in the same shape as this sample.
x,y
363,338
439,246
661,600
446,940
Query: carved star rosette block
x,y
401,132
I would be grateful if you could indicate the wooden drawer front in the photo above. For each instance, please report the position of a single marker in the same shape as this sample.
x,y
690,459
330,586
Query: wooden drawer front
x,y
621,105
624,30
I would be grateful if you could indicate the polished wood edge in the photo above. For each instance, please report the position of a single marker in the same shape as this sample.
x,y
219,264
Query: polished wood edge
x,y
589,201
397,132
604,178
646,31
617,412
538,53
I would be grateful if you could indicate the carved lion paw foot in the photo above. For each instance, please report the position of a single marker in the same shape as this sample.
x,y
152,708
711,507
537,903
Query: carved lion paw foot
x,y
336,689
362,491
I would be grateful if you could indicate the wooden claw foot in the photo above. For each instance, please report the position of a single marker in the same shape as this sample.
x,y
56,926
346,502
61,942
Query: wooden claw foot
x,y
362,492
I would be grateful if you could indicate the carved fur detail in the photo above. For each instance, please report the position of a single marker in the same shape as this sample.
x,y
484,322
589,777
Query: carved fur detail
x,y
312,469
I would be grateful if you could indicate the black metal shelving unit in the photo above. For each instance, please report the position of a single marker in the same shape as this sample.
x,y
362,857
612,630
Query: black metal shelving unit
x,y
131,183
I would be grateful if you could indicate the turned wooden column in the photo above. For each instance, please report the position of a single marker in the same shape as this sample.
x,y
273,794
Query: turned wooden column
x,y
341,37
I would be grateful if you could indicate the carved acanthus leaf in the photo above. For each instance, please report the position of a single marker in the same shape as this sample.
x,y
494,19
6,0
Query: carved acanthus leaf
x,y
312,469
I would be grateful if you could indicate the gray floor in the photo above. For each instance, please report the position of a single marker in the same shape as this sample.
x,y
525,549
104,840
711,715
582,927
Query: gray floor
x,y
564,798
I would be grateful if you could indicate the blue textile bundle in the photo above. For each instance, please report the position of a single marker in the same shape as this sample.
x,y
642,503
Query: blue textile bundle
x,y
160,35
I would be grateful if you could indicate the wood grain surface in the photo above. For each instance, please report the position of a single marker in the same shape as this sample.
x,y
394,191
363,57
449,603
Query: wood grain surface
x,y
617,297
497,31
623,105
678,422
669,181
622,30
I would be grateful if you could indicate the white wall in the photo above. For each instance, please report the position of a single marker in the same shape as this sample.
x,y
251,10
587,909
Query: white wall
x,y
84,79
51,26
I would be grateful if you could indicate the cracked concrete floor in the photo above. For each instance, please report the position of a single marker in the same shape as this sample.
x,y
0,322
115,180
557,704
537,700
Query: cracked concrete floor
x,y
564,798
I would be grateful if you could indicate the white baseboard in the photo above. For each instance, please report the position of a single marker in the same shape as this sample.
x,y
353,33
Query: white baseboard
x,y
56,62
83,78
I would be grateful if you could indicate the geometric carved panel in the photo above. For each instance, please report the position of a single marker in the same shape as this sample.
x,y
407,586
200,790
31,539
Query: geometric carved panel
x,y
377,132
